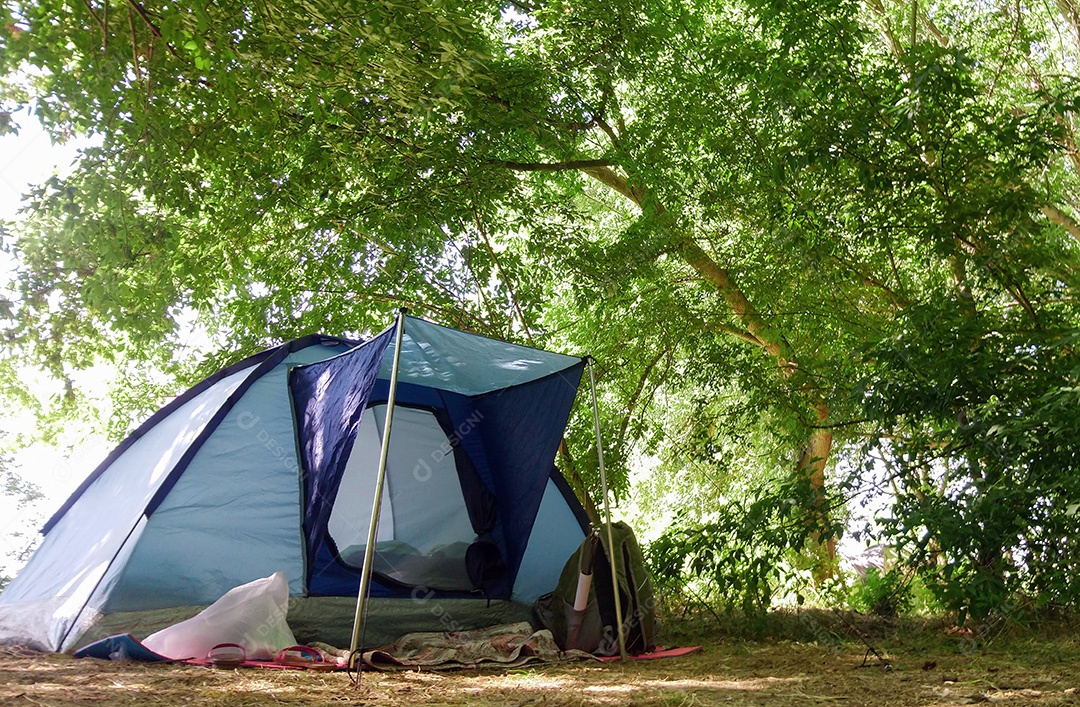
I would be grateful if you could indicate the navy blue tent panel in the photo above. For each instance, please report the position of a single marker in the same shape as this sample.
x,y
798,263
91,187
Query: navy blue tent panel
x,y
328,575
329,398
521,428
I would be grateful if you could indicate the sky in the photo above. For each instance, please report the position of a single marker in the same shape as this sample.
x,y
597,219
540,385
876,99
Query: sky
x,y
27,159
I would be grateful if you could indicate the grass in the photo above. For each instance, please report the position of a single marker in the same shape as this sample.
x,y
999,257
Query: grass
x,y
807,658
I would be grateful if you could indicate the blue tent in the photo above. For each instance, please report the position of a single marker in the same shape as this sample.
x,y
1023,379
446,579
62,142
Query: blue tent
x,y
269,465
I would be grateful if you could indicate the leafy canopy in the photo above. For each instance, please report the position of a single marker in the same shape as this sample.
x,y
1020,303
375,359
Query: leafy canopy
x,y
783,229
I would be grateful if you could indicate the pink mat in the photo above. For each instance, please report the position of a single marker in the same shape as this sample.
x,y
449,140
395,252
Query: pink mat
x,y
658,653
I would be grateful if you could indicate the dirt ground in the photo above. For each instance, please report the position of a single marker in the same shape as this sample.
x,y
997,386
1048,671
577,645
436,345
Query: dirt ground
x,y
910,671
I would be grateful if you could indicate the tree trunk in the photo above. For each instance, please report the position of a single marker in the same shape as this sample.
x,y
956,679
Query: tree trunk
x,y
578,484
815,456
812,465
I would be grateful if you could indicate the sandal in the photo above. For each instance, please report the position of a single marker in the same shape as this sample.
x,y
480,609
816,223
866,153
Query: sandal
x,y
226,655
303,657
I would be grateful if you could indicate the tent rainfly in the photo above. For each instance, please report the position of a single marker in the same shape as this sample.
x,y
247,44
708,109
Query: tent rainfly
x,y
271,465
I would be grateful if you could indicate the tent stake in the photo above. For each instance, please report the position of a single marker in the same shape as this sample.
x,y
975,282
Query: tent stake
x,y
607,513
380,479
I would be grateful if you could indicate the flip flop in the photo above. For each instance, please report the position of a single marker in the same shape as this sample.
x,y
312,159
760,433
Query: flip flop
x,y
303,657
226,655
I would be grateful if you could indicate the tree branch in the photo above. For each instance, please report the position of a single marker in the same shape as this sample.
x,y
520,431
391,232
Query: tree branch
x,y
720,278
632,403
886,26
503,275
581,165
578,484
603,124
154,29
815,456
1071,13
141,11
104,30
604,175
134,46
737,333
942,38
1062,219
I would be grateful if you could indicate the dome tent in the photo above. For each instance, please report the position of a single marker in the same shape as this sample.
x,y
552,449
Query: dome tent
x,y
268,466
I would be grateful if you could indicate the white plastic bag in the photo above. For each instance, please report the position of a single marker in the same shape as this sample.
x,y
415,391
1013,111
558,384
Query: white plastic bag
x,y
251,615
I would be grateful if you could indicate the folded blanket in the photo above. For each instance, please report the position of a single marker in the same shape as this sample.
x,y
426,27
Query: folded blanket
x,y
506,646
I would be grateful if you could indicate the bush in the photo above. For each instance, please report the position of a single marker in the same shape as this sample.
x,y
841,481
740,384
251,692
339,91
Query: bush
x,y
887,595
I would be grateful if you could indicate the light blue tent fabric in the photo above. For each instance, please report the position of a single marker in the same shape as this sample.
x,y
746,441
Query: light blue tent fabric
x,y
240,490
435,356
209,492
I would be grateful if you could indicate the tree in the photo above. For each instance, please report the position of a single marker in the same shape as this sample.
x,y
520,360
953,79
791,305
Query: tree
x,y
24,493
709,198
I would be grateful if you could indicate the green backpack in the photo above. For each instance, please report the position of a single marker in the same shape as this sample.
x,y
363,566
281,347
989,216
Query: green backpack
x,y
586,584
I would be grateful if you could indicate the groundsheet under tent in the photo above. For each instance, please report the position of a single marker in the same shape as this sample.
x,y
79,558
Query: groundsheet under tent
x,y
329,619
507,646
250,627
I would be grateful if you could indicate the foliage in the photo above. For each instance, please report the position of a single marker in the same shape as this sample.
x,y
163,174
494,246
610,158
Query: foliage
x,y
744,560
885,594
781,229
24,493
14,486
981,451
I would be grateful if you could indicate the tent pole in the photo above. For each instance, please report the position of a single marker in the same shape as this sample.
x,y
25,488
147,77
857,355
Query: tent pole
x,y
607,513
380,479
